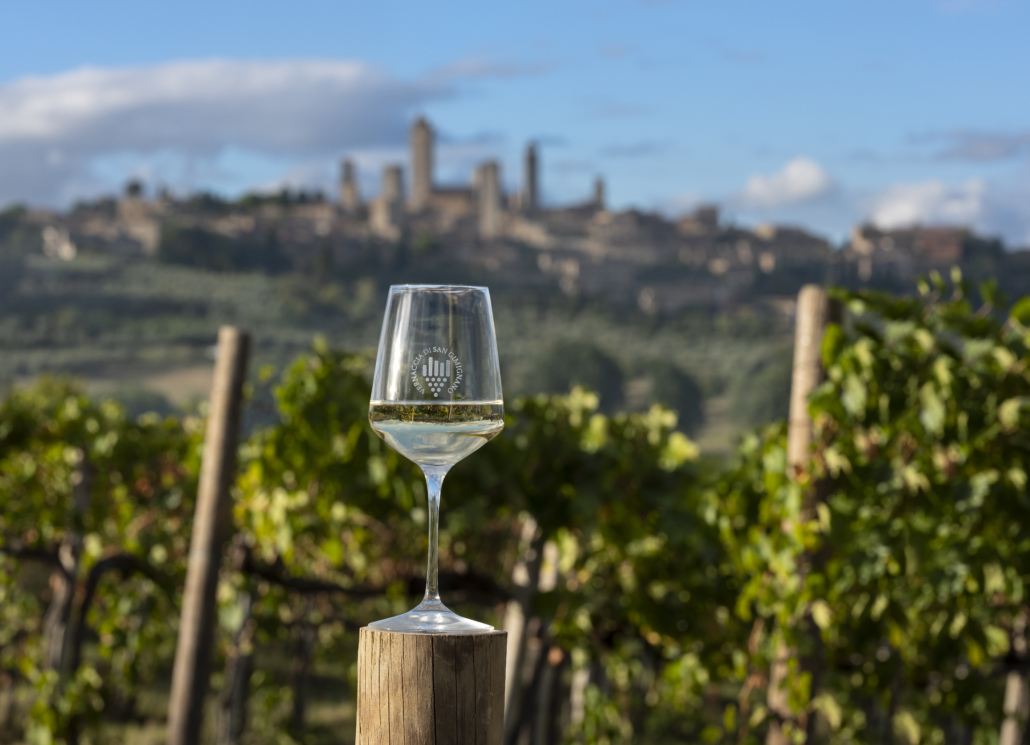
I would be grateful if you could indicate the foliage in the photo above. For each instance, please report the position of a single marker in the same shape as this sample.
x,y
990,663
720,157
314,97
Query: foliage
x,y
209,203
283,198
138,401
206,249
18,236
892,566
921,431
324,498
81,480
571,363
762,395
331,523
660,381
895,564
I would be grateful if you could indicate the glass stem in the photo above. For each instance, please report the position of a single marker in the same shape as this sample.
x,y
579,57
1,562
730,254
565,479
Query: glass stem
x,y
434,480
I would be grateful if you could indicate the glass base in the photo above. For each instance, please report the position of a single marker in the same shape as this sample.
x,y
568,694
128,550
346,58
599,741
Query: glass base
x,y
431,618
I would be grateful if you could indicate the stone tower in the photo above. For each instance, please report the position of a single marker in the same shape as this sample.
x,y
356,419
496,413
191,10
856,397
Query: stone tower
x,y
530,193
488,193
598,199
350,197
421,164
393,184
388,210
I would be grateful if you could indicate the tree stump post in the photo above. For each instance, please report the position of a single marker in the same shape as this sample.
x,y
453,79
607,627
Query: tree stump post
x,y
430,689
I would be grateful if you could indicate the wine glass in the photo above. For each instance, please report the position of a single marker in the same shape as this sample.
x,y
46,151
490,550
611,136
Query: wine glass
x,y
436,398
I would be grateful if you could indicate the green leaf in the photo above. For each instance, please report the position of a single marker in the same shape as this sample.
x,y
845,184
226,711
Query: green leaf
x,y
990,293
823,512
879,606
932,412
906,727
758,715
830,709
957,624
997,641
854,396
833,343
1010,410
1021,311
821,614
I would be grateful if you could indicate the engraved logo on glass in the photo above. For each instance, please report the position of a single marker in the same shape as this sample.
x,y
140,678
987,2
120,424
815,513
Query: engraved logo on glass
x,y
434,370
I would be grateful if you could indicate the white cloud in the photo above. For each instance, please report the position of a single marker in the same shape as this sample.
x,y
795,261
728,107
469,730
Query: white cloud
x,y
927,203
997,208
800,180
681,204
54,130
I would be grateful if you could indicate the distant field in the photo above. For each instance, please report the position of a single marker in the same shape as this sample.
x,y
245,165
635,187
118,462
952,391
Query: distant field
x,y
145,331
179,386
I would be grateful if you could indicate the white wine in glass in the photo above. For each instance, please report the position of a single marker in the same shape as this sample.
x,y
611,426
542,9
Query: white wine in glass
x,y
436,398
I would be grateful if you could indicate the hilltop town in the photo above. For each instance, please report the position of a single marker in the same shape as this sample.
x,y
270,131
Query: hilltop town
x,y
659,264
694,312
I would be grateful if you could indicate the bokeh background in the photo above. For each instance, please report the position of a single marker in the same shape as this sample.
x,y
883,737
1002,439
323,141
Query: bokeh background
x,y
645,186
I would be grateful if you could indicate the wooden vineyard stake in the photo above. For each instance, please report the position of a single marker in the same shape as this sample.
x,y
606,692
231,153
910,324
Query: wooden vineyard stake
x,y
814,312
192,669
430,689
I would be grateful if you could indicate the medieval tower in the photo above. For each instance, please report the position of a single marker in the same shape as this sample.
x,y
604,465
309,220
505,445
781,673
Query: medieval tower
x,y
530,193
387,215
488,196
421,164
350,197
598,200
420,203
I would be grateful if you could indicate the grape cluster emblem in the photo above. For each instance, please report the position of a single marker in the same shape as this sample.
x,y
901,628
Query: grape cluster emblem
x,y
437,374
440,371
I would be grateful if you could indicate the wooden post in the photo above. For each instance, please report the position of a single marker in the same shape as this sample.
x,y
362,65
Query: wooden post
x,y
191,673
518,616
430,689
814,312
1017,692
1017,708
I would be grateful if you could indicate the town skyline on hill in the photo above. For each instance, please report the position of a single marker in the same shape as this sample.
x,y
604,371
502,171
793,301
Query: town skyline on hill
x,y
801,114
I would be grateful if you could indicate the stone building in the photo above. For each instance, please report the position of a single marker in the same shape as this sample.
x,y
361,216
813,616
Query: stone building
x,y
703,221
138,220
901,254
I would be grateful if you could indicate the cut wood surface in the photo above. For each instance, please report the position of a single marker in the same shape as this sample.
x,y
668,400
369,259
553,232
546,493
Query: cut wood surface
x,y
439,689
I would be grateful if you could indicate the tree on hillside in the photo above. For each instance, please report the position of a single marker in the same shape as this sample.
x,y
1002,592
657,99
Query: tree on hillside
x,y
564,365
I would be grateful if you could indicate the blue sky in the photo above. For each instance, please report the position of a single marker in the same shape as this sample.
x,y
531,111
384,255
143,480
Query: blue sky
x,y
813,113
